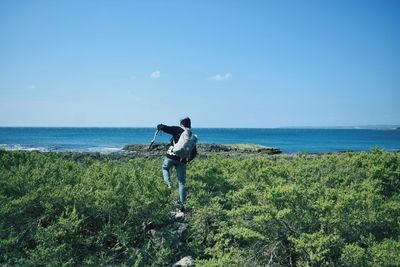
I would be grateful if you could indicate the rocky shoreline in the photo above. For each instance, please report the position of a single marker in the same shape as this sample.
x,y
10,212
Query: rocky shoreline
x,y
228,150
159,150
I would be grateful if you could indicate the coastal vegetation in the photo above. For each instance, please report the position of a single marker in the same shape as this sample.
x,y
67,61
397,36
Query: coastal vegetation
x,y
340,209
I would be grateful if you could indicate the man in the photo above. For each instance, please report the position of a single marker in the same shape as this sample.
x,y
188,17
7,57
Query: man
x,y
171,159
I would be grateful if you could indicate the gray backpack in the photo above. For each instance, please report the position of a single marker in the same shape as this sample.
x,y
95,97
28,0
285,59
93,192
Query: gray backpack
x,y
187,141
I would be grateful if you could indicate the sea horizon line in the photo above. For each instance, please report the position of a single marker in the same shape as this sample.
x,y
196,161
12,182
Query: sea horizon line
x,y
350,127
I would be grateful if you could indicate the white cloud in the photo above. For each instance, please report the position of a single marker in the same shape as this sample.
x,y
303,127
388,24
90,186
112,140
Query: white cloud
x,y
219,77
132,95
155,74
31,87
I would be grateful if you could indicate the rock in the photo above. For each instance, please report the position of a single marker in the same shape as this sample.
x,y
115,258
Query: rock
x,y
185,261
243,150
177,214
159,150
152,232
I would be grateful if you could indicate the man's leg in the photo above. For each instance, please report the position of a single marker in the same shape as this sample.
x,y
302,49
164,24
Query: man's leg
x,y
165,171
181,175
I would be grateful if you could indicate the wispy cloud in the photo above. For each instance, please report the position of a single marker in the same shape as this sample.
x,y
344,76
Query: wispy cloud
x,y
133,96
221,77
31,87
155,74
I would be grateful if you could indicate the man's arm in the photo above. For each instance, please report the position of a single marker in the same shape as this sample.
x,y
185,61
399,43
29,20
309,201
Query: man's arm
x,y
174,130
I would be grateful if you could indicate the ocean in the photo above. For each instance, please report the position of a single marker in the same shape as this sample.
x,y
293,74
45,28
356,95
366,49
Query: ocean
x,y
289,140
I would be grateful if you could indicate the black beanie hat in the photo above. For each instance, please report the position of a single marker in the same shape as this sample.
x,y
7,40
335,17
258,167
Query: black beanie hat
x,y
186,122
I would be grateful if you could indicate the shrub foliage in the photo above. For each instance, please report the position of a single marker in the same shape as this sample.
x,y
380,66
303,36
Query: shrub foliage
x,y
330,210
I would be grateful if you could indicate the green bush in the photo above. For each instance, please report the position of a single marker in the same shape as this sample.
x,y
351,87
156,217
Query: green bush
x,y
58,212
329,210
338,209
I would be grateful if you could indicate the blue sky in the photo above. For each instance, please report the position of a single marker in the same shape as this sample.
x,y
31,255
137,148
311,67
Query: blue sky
x,y
223,63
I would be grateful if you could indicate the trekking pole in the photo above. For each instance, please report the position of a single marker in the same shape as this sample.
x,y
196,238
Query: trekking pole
x,y
154,139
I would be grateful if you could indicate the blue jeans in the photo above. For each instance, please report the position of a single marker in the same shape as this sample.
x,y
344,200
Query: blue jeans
x,y
180,174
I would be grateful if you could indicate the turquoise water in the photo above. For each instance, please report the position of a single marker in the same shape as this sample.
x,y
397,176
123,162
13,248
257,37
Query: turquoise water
x,y
113,139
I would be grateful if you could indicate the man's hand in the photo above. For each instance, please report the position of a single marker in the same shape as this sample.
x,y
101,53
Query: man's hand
x,y
159,127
